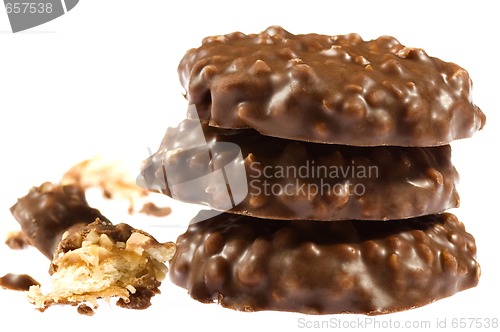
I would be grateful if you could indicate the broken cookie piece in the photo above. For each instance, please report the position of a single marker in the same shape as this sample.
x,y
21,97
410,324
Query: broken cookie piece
x,y
90,258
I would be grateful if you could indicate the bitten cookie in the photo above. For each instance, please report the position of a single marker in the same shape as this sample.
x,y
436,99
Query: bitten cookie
x,y
49,210
90,257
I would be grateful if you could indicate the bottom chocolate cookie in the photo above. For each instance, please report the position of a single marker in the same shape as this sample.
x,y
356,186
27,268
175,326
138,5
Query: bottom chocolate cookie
x,y
368,267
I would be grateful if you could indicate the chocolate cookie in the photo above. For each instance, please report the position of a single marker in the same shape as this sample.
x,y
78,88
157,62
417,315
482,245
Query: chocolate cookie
x,y
366,267
90,257
301,180
330,89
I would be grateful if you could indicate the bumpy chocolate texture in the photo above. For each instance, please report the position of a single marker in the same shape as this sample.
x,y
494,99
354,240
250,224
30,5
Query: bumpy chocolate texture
x,y
363,267
305,181
330,89
18,282
47,211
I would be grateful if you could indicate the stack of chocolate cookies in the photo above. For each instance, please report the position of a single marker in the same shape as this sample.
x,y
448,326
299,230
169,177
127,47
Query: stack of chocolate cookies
x,y
343,144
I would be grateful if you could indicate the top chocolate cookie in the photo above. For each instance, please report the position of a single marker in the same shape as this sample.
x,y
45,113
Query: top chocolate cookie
x,y
330,89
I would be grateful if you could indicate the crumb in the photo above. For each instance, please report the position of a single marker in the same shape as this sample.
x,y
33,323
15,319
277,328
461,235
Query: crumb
x,y
17,240
140,300
152,209
84,309
18,282
111,177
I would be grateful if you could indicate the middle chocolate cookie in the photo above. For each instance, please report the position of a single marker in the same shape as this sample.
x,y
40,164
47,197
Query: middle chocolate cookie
x,y
275,178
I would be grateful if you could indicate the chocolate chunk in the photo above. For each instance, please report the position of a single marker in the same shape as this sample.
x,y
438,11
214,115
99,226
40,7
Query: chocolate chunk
x,y
330,89
17,240
302,180
111,178
85,310
18,282
46,212
152,209
367,267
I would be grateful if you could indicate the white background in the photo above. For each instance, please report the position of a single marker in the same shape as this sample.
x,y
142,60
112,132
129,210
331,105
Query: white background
x,y
102,79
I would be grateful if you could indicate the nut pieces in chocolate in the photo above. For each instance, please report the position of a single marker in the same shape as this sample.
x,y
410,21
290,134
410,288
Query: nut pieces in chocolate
x,y
292,101
49,210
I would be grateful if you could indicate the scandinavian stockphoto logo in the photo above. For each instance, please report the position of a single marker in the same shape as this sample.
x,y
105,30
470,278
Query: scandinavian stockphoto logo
x,y
24,15
310,179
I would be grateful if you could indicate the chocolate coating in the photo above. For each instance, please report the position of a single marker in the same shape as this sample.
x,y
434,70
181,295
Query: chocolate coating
x,y
325,267
85,310
151,209
330,89
46,212
18,282
323,181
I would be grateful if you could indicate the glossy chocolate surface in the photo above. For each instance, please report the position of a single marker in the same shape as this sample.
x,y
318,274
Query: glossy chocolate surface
x,y
18,282
368,267
47,211
330,89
